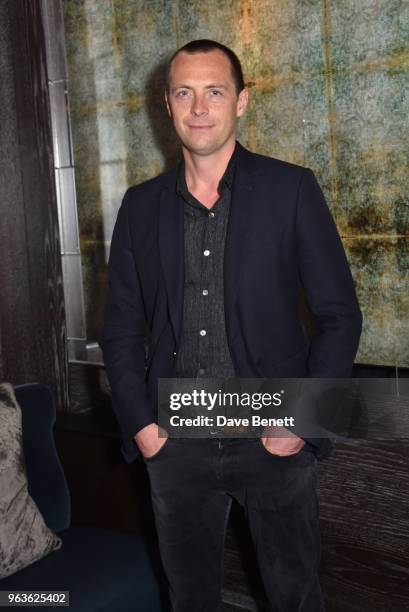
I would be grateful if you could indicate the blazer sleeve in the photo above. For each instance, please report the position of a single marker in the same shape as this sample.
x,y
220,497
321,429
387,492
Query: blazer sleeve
x,y
123,337
328,285
329,289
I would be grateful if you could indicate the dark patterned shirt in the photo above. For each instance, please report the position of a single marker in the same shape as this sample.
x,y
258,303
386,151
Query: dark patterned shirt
x,y
203,350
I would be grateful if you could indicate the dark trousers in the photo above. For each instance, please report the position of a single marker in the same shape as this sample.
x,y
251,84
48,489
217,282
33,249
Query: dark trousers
x,y
193,482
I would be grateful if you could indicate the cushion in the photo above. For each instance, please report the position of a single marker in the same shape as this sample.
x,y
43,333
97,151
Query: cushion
x,y
24,536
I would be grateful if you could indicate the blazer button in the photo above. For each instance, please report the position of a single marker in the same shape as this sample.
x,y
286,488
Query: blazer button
x,y
174,354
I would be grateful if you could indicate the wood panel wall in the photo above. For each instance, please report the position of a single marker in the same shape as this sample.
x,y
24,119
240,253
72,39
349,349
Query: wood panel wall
x,y
32,316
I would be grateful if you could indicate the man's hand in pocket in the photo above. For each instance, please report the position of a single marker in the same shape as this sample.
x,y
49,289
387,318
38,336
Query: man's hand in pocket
x,y
148,440
283,445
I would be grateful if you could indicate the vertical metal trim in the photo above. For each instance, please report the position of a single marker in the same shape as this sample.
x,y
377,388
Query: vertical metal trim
x,y
53,23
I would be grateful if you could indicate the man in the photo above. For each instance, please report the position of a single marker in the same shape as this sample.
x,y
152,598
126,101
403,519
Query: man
x,y
210,258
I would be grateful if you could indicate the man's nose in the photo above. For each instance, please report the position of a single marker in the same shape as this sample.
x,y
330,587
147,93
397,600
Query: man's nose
x,y
198,106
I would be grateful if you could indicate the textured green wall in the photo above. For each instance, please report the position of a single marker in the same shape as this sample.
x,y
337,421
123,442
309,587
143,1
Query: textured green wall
x,y
329,85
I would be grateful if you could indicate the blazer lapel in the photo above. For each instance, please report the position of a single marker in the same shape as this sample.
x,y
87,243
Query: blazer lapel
x,y
239,221
171,247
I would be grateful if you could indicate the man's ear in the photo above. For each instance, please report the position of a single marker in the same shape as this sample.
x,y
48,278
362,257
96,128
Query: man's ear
x,y
242,102
167,103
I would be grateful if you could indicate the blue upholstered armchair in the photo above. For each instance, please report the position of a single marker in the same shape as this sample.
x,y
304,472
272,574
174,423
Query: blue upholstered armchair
x,y
103,570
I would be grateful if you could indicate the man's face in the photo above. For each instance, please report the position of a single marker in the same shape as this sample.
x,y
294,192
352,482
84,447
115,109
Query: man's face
x,y
202,101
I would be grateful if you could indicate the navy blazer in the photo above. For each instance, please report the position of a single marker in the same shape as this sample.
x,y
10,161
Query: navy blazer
x,y
280,238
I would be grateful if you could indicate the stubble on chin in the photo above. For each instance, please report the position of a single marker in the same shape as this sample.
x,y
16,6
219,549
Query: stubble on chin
x,y
203,149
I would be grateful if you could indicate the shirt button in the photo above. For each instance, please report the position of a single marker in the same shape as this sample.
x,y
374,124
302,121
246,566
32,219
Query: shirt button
x,y
206,253
201,372
205,292
211,214
202,332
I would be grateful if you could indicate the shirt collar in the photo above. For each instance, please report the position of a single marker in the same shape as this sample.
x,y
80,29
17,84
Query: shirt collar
x,y
225,181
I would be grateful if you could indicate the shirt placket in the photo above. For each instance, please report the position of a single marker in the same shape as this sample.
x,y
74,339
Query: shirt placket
x,y
205,292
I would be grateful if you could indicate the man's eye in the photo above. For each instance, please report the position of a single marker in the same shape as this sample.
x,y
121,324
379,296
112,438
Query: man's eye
x,y
216,92
182,93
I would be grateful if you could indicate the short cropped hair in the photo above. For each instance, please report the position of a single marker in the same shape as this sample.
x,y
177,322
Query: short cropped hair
x,y
205,46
